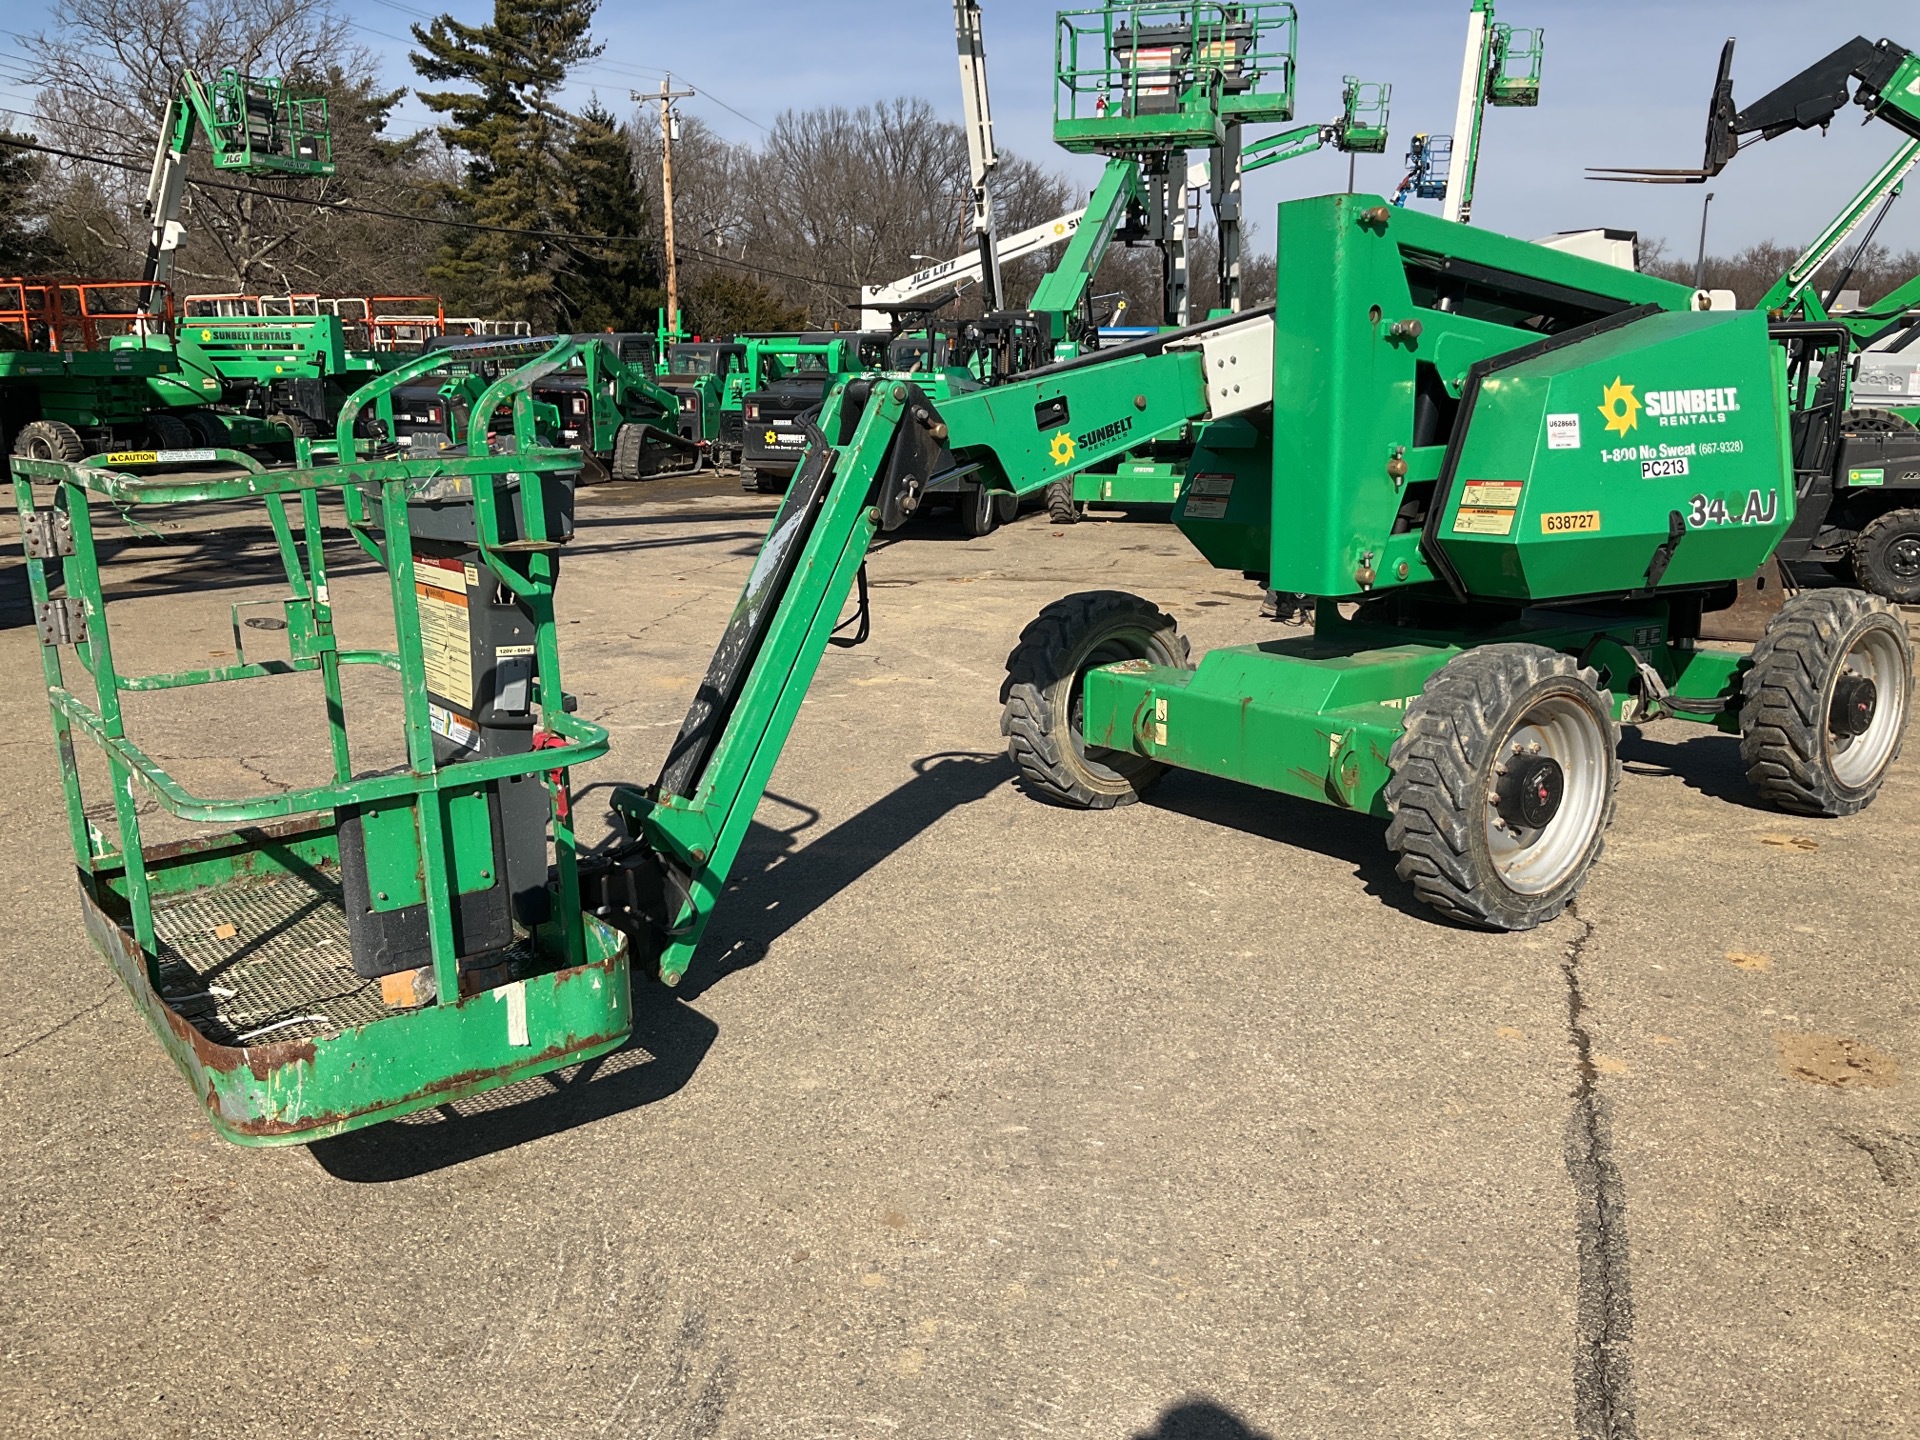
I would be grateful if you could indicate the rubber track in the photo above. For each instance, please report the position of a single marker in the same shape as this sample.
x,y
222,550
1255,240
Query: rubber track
x,y
1783,722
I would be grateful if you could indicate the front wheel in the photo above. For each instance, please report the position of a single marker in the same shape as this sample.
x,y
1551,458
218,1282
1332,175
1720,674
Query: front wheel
x,y
1044,698
1503,786
1061,508
1826,702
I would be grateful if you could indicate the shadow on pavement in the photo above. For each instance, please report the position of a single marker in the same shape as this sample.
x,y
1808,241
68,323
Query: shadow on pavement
x,y
669,1041
1358,840
1703,760
670,1037
1201,1420
780,895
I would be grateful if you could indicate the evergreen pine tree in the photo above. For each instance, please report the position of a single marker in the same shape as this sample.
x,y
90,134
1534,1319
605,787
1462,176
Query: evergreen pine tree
x,y
513,137
26,247
615,286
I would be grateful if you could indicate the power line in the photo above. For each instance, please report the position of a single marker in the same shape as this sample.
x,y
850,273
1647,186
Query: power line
x,y
354,208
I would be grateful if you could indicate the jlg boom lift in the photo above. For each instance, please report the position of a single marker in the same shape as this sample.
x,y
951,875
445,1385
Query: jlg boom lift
x,y
1520,480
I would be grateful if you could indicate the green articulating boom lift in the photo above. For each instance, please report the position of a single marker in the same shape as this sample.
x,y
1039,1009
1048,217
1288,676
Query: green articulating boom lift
x,y
1520,479
1862,519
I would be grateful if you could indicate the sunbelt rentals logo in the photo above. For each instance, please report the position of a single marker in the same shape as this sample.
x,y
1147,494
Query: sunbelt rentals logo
x,y
1620,407
1670,409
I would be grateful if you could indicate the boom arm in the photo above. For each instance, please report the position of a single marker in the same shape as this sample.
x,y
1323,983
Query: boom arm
x,y
877,448
1062,289
961,269
981,155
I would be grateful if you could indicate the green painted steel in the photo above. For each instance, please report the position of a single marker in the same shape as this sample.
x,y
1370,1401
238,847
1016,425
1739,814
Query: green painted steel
x,y
1132,482
1369,368
560,996
1133,79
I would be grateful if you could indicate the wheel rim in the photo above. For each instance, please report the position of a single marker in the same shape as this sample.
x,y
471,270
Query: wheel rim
x,y
1876,655
1110,650
1903,558
1565,730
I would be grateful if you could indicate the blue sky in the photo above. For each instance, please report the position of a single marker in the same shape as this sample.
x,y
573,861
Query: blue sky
x,y
1625,83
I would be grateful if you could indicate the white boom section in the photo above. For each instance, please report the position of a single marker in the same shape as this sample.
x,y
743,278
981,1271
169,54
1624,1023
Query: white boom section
x,y
982,158
1466,120
165,186
961,269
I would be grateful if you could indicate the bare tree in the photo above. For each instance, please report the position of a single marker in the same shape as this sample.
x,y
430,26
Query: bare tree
x,y
110,67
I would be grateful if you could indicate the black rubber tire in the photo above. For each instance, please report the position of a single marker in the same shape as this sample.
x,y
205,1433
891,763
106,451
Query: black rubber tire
x,y
1443,776
1006,507
169,432
1785,738
979,513
1060,507
1886,556
49,440
1042,696
1877,422
300,425
207,428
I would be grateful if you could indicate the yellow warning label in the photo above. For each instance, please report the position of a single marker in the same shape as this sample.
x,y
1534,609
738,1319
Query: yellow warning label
x,y
133,457
1483,522
446,641
1569,522
1492,494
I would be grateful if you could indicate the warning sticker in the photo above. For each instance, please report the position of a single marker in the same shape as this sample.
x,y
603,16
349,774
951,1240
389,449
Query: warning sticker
x,y
1563,432
446,643
1569,522
1492,494
452,727
1207,497
1483,522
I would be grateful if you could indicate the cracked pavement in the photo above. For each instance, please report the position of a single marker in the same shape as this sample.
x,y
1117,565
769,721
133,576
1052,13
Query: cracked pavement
x,y
979,1118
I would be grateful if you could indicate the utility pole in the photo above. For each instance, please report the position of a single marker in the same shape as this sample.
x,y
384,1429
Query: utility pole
x,y
669,127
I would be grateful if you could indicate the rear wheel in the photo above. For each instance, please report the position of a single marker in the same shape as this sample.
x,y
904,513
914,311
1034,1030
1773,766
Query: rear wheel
x,y
1876,422
1061,509
169,432
1503,786
300,425
1826,702
1886,556
207,428
1043,718
49,440
979,511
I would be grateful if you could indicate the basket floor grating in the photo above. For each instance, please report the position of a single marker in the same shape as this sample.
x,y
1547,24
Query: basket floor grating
x,y
263,960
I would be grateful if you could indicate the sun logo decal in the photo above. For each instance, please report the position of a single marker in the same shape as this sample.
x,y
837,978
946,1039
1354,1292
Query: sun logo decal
x,y
1062,449
1620,407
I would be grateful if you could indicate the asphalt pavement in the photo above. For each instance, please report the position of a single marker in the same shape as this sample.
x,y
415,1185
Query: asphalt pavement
x,y
982,1118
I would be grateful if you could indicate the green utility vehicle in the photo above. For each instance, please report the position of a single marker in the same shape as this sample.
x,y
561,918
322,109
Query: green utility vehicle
x,y
86,366
600,400
709,381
